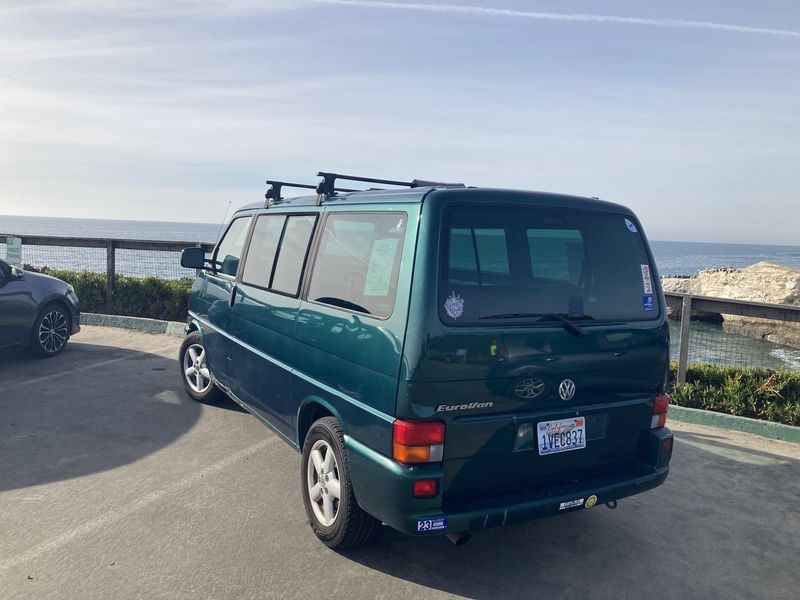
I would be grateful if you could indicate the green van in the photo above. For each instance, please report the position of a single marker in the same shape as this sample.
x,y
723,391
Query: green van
x,y
445,358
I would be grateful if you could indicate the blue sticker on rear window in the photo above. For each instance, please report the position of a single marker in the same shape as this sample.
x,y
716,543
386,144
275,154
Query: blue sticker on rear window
x,y
631,227
648,303
432,525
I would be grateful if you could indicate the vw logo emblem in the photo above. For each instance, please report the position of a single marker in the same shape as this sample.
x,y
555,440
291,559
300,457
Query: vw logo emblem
x,y
566,389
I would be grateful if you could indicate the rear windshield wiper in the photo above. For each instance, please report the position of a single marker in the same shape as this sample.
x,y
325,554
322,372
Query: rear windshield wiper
x,y
573,328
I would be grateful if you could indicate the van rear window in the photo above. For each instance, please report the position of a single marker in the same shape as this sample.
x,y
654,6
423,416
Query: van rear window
x,y
514,261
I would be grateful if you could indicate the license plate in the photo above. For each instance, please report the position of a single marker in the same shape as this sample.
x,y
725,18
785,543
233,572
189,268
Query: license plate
x,y
561,436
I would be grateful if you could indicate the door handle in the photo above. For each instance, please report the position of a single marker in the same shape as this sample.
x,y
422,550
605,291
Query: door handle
x,y
232,299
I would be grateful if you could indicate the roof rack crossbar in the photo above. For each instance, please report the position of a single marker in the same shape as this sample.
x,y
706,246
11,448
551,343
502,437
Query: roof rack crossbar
x,y
326,186
329,181
274,191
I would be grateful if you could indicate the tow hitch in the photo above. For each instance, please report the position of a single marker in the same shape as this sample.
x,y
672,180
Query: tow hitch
x,y
612,505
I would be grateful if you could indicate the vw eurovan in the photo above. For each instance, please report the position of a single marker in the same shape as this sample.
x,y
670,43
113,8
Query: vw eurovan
x,y
445,358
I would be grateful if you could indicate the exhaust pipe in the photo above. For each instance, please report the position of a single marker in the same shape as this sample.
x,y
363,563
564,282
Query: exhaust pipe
x,y
458,539
612,505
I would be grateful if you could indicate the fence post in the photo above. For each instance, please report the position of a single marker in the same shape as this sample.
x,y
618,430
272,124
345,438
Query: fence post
x,y
683,343
110,272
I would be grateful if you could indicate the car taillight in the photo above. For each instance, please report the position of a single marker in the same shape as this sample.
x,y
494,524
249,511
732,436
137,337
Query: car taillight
x,y
425,488
418,441
660,406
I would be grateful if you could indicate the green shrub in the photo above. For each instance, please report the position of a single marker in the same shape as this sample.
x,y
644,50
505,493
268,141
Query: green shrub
x,y
747,392
149,297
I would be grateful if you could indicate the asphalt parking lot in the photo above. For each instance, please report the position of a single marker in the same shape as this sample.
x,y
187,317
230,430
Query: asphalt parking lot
x,y
114,484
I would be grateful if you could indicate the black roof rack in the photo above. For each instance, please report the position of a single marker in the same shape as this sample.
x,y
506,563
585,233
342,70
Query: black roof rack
x,y
327,187
274,191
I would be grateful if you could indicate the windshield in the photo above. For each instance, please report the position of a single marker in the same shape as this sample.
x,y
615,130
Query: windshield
x,y
510,265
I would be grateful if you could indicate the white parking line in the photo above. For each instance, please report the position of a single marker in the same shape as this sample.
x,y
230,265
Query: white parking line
x,y
79,369
125,510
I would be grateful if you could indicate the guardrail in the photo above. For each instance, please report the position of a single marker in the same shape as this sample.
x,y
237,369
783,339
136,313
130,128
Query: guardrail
x,y
686,303
161,258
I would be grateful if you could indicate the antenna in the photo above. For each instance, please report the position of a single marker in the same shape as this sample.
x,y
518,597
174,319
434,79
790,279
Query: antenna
x,y
224,218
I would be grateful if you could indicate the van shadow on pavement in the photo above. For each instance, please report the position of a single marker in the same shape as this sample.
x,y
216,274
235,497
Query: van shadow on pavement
x,y
90,409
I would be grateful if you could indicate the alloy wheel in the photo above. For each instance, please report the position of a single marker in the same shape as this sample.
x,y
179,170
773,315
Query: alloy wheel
x,y
324,488
53,331
195,369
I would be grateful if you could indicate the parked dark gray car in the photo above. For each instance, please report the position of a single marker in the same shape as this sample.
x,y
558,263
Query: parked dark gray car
x,y
36,310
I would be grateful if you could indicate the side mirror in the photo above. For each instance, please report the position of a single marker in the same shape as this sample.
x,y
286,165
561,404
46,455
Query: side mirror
x,y
17,273
193,258
230,264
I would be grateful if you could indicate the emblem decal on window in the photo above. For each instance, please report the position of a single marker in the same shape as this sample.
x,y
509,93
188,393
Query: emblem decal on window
x,y
454,305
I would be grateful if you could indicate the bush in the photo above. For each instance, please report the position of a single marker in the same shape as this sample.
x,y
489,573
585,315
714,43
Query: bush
x,y
150,297
747,392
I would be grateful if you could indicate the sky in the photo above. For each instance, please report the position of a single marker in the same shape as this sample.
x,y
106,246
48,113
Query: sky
x,y
687,112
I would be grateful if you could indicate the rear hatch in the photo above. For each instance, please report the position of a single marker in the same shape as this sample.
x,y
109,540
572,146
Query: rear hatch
x,y
547,348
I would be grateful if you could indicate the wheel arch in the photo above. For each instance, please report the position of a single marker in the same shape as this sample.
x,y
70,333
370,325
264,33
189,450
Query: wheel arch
x,y
56,300
311,409
194,325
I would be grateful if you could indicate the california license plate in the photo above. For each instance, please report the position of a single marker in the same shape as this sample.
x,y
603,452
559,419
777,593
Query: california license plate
x,y
562,435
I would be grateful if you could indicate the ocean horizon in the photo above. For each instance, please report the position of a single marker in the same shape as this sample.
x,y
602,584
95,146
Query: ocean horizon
x,y
673,258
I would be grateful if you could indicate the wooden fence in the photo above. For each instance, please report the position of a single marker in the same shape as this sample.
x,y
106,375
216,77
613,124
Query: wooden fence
x,y
685,304
111,246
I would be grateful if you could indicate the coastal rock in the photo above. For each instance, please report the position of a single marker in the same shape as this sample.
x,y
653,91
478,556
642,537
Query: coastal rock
x,y
761,282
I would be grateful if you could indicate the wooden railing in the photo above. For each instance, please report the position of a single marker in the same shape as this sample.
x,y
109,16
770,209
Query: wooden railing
x,y
686,303
111,245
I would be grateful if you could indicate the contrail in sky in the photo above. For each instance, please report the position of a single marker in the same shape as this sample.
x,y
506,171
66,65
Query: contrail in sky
x,y
551,16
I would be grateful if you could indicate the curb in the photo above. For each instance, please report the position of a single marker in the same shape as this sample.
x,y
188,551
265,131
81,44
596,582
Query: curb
x,y
135,323
768,429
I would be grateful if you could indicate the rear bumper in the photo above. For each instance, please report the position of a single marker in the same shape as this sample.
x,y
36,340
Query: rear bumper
x,y
383,489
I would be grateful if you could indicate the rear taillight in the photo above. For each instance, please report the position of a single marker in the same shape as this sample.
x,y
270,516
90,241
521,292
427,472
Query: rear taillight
x,y
660,406
418,441
425,488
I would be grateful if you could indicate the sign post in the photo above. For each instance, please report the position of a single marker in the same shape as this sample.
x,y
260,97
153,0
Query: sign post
x,y
14,251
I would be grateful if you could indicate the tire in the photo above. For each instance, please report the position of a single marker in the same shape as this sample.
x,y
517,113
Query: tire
x,y
51,331
339,523
195,375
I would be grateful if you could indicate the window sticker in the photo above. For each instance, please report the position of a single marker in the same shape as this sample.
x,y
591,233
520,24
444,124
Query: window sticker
x,y
646,281
648,303
575,304
454,305
631,227
379,272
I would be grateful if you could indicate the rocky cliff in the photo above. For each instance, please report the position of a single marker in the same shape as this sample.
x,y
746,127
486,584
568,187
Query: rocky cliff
x,y
761,282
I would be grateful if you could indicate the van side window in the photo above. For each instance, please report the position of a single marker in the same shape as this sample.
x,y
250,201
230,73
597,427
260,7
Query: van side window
x,y
478,256
359,261
262,250
556,254
292,254
229,249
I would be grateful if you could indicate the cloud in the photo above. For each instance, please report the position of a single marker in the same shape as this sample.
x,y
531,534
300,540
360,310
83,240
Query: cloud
x,y
551,16
146,9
